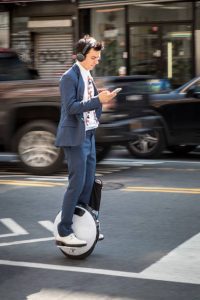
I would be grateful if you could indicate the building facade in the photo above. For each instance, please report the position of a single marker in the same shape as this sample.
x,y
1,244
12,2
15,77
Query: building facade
x,y
41,32
160,38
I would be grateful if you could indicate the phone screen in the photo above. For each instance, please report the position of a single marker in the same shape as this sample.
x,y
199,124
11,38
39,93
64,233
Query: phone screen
x,y
117,90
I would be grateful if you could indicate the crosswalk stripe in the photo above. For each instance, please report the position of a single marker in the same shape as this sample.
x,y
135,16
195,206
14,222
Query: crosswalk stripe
x,y
47,224
180,265
27,241
14,227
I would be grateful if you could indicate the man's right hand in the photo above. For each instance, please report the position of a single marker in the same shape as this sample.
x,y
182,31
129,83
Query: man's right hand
x,y
106,96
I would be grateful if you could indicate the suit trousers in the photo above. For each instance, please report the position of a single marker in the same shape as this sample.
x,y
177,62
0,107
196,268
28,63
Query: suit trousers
x,y
81,161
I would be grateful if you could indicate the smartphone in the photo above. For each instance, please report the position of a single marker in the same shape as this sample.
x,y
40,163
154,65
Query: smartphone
x,y
117,90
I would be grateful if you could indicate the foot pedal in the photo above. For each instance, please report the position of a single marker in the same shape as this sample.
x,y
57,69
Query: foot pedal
x,y
61,244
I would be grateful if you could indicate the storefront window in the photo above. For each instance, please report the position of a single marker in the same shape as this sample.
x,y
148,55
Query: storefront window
x,y
148,12
197,10
4,30
108,26
163,50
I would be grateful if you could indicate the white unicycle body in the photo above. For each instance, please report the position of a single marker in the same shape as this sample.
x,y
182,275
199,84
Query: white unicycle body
x,y
85,226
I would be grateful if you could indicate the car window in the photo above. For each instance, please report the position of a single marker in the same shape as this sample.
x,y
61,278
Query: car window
x,y
197,84
159,86
137,87
196,87
134,85
187,86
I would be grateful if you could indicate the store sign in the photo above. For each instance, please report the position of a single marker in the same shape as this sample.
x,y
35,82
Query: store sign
x,y
49,23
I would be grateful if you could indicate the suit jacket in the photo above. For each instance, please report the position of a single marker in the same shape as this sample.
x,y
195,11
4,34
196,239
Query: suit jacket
x,y
71,127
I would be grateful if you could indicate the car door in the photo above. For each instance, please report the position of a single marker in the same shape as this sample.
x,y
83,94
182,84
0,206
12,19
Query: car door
x,y
185,114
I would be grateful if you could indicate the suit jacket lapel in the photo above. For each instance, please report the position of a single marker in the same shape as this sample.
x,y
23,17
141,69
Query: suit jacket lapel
x,y
80,88
81,83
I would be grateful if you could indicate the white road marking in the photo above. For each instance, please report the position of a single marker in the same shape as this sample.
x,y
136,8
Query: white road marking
x,y
69,268
47,224
123,162
12,226
53,293
111,170
105,172
141,275
99,174
48,178
136,162
181,264
27,241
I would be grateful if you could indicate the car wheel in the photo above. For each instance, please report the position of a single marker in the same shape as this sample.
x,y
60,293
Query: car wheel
x,y
181,149
148,145
35,146
101,151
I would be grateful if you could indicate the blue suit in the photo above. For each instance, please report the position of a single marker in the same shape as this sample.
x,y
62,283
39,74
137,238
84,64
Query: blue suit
x,y
71,128
78,144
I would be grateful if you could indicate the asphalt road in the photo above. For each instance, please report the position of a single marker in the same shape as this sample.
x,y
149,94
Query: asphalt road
x,y
150,216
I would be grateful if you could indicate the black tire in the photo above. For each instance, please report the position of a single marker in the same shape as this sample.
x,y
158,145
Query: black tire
x,y
148,145
34,143
181,149
101,151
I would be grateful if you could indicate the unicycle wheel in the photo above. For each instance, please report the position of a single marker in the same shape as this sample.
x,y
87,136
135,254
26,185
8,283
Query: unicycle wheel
x,y
85,228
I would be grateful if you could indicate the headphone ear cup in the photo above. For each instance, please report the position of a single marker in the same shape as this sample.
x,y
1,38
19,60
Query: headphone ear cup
x,y
80,57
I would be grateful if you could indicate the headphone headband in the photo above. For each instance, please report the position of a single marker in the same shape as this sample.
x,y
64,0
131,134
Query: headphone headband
x,y
81,55
87,46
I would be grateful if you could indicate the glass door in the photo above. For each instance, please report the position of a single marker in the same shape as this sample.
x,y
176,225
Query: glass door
x,y
163,50
177,53
144,50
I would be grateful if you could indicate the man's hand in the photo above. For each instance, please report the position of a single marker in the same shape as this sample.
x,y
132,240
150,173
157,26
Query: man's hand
x,y
106,96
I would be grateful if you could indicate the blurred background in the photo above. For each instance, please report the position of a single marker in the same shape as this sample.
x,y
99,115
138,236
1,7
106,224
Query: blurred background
x,y
151,52
141,37
148,149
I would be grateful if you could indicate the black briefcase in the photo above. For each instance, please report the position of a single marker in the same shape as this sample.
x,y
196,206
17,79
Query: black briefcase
x,y
95,198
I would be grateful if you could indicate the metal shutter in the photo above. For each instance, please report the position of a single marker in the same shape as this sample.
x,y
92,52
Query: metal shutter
x,y
53,54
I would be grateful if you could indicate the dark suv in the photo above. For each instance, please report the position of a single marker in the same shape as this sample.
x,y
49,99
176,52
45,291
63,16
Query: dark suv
x,y
12,68
130,116
179,117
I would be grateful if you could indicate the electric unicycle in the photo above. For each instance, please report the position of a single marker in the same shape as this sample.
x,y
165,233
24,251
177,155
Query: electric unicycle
x,y
86,227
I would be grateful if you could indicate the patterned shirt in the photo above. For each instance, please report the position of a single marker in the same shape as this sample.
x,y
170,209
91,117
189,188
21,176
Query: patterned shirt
x,y
90,119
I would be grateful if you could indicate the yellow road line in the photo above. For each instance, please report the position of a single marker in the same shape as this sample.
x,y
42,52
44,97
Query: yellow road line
x,y
30,183
161,190
127,189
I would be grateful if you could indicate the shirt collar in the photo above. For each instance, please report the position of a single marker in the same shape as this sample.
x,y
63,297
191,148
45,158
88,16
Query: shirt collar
x,y
83,70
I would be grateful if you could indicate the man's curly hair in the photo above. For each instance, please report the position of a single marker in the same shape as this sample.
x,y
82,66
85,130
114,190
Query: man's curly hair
x,y
80,45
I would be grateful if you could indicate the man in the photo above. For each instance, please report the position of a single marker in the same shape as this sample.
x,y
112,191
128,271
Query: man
x,y
81,107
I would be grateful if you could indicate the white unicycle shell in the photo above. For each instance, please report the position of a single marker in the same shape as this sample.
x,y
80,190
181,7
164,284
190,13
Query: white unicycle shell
x,y
85,228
